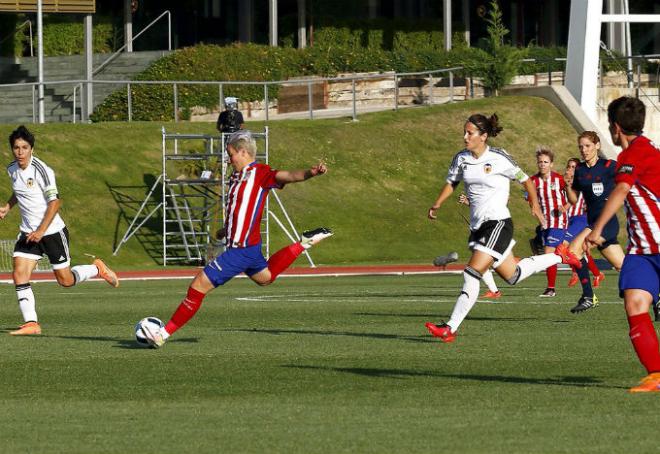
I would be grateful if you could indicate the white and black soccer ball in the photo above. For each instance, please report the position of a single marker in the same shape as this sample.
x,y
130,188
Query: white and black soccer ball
x,y
140,336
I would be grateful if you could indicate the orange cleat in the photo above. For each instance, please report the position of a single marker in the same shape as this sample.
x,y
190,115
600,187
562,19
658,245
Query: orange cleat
x,y
598,279
491,295
574,279
106,273
442,332
649,384
567,256
27,329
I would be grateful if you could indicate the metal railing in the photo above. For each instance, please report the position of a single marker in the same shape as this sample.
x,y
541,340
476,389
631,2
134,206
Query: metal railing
x,y
29,24
121,49
424,90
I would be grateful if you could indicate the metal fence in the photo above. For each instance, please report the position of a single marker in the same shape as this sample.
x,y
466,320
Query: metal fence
x,y
412,88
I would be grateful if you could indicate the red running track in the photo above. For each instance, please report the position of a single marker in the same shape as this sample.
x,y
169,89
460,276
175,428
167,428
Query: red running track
x,y
188,273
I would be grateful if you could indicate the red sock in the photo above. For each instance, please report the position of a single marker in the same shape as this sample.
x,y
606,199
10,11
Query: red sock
x,y
645,341
283,259
592,265
188,307
552,276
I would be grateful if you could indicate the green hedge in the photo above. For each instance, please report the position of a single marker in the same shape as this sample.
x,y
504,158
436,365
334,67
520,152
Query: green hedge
x,y
63,35
252,62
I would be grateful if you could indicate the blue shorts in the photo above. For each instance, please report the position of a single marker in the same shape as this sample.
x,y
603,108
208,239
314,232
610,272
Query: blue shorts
x,y
576,224
610,233
552,237
641,272
234,261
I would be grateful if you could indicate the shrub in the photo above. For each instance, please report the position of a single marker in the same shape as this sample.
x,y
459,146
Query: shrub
x,y
65,36
498,62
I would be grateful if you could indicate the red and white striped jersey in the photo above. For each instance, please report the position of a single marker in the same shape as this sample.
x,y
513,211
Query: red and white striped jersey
x,y
552,196
578,208
246,196
639,166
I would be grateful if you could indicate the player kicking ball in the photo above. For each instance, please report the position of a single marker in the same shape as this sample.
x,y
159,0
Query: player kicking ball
x,y
248,188
42,230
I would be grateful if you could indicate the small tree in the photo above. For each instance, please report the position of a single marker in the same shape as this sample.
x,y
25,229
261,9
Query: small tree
x,y
498,62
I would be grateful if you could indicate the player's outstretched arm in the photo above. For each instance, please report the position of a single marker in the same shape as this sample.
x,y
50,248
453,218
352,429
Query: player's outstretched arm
x,y
446,191
294,176
534,201
10,203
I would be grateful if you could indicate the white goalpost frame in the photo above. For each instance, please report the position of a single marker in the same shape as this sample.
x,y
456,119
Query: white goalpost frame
x,y
586,19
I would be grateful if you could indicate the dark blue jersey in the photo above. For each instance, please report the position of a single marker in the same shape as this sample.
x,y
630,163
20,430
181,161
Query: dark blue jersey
x,y
595,183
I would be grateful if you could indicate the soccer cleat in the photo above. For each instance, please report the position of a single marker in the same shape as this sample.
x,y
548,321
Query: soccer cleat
x,y
648,384
311,237
548,293
598,279
585,303
106,273
154,335
491,295
567,256
574,279
442,332
27,329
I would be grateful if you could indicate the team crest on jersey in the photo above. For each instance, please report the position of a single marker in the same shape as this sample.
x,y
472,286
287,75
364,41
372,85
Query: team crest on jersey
x,y
30,182
488,168
598,189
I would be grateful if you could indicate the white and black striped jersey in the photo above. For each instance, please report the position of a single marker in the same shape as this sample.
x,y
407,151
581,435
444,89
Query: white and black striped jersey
x,y
34,187
487,182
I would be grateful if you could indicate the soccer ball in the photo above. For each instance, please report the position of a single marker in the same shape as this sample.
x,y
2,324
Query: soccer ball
x,y
140,337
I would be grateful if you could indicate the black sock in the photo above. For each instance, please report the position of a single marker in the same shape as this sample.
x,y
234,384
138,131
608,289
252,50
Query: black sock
x,y
583,274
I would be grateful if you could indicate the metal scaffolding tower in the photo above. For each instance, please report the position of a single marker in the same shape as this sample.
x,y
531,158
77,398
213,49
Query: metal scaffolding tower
x,y
190,197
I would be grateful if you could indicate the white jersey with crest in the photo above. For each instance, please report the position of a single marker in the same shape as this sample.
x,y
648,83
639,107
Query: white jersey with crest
x,y
487,182
34,187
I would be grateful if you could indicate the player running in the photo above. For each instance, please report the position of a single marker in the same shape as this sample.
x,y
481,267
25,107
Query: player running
x,y
550,188
594,178
577,222
42,230
248,188
638,187
487,172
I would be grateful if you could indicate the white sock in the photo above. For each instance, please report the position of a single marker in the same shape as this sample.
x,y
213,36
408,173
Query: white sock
x,y
26,302
84,272
466,299
534,264
489,280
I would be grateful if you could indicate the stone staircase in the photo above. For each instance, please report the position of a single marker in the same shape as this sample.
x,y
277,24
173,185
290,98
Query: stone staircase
x,y
18,104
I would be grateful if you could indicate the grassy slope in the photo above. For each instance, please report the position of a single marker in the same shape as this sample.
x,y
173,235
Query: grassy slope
x,y
386,170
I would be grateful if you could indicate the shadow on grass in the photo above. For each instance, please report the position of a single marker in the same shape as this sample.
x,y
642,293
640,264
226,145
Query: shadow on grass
x,y
120,341
422,338
436,316
576,381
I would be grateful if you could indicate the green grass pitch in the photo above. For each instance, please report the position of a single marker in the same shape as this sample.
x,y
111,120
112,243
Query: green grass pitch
x,y
322,365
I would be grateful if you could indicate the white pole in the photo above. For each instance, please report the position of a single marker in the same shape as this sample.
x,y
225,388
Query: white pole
x,y
40,61
272,15
302,24
128,26
446,15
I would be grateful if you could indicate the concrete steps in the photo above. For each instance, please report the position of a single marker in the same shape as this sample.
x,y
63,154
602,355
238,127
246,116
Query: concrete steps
x,y
17,103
